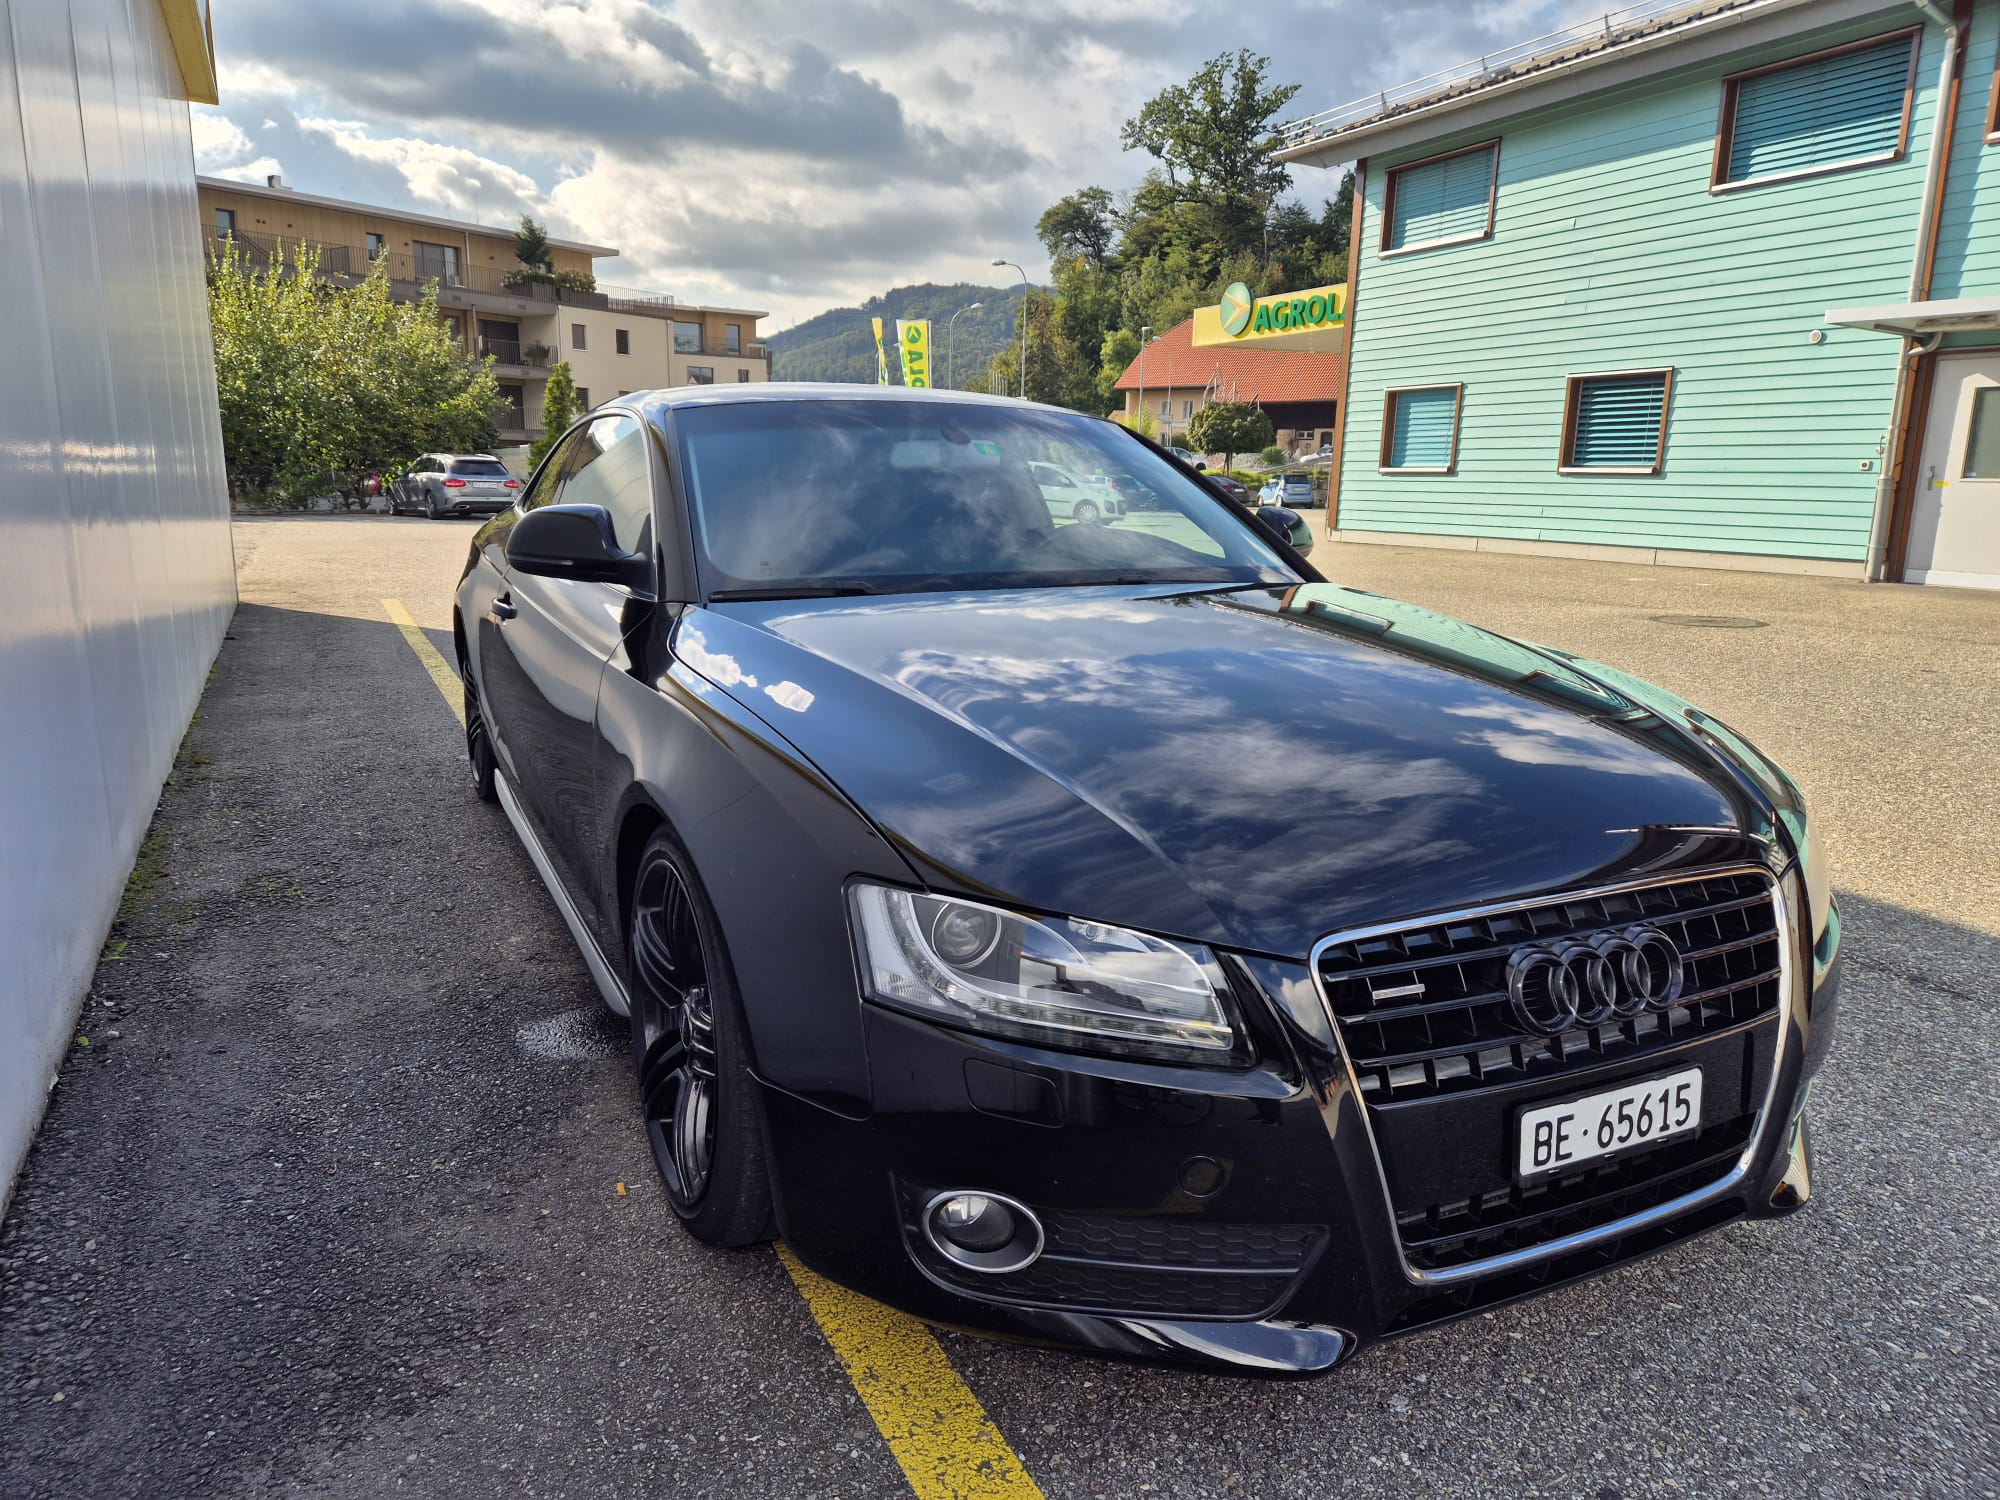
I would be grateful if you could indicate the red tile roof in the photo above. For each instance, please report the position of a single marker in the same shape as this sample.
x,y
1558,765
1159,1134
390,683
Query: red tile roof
x,y
1264,375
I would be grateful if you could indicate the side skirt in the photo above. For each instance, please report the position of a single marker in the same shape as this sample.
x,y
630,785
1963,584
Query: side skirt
x,y
607,982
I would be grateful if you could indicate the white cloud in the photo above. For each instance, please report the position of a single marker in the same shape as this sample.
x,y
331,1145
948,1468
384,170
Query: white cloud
x,y
218,140
462,182
250,171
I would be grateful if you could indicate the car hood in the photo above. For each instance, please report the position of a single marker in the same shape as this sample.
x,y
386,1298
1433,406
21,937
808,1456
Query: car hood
x,y
1250,767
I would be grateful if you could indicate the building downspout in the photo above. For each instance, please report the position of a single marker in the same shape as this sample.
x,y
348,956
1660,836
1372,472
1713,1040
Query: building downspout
x,y
1339,454
1944,118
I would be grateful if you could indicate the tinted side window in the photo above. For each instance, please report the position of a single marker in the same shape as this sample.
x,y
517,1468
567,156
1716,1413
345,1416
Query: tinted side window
x,y
542,490
608,467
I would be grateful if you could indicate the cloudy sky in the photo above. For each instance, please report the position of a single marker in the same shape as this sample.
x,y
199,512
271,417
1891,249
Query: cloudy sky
x,y
784,154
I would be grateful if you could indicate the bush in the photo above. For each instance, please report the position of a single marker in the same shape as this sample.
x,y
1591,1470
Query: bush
x,y
1271,456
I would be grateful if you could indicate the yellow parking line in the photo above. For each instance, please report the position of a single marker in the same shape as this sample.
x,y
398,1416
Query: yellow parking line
x,y
939,1433
440,669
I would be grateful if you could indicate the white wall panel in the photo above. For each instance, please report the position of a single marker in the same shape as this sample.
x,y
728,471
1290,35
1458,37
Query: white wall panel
x,y
116,578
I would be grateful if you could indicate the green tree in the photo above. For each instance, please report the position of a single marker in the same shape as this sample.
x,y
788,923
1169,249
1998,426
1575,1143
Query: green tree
x,y
1115,356
1229,428
1082,226
560,408
321,386
1213,139
531,246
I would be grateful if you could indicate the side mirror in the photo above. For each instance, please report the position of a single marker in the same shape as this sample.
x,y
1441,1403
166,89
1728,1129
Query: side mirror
x,y
1287,526
575,541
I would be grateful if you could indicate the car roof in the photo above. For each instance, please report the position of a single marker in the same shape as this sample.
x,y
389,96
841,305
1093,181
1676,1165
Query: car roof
x,y
676,397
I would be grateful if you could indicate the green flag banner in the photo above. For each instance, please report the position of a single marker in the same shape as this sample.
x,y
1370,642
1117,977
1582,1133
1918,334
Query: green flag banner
x,y
913,337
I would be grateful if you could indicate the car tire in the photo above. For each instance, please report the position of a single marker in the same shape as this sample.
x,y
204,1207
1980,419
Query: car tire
x,y
703,1117
1086,513
431,506
479,742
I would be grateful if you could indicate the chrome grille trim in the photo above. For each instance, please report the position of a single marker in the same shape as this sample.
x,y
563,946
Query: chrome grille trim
x,y
1784,917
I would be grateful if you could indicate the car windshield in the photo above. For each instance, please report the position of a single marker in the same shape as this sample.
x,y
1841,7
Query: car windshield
x,y
479,468
887,496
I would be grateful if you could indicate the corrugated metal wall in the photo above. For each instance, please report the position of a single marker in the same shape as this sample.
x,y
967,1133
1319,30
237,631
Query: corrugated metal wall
x,y
116,577
1610,253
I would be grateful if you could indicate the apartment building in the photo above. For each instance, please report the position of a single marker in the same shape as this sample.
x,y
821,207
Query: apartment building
x,y
615,339
1714,284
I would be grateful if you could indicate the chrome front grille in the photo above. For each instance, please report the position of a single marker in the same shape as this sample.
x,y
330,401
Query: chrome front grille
x,y
1424,1011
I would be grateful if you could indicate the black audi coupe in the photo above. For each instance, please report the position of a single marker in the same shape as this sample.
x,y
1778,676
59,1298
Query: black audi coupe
x,y
1118,936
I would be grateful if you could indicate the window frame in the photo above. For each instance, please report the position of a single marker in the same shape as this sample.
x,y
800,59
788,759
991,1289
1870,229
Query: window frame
x,y
1725,121
1572,401
375,245
579,337
1993,107
708,371
224,223
1384,251
1382,464
621,341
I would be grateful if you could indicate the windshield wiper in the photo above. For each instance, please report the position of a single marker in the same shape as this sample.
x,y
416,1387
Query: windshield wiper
x,y
790,591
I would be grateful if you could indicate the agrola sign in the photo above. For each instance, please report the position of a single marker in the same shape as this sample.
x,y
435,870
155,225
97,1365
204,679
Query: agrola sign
x,y
1242,317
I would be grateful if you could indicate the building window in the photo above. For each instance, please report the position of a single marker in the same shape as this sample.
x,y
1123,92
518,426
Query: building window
x,y
1166,410
1845,107
621,340
732,338
1616,424
687,338
513,413
1420,429
742,377
436,262
1993,107
577,336
1187,411
701,375
225,223
377,246
1982,440
583,397
1442,200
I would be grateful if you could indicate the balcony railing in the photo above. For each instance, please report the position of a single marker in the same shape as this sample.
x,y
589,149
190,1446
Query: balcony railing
x,y
507,351
265,251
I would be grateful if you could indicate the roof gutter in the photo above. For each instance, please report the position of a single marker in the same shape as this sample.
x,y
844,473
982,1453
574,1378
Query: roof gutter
x,y
1318,150
1944,115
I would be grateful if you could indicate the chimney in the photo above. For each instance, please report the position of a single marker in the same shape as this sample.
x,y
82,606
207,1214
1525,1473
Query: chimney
x,y
275,181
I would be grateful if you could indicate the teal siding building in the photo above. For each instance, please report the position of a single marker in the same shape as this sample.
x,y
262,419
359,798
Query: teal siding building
x,y
1701,284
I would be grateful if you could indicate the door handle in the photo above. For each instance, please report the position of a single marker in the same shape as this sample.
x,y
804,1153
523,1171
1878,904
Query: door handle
x,y
503,608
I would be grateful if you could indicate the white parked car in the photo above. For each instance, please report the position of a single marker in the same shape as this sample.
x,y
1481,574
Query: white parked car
x,y
1068,493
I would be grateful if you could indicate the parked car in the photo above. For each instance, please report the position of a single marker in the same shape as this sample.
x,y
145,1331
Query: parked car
x,y
1132,490
1292,490
1120,937
454,484
1070,494
1235,489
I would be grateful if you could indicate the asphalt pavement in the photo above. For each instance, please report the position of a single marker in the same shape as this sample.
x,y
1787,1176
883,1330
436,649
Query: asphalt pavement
x,y
330,1203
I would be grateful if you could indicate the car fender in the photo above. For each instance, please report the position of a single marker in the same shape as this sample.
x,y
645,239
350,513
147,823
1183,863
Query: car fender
x,y
774,844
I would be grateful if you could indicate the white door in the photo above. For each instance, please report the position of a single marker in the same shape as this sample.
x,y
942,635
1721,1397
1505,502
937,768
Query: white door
x,y
1955,526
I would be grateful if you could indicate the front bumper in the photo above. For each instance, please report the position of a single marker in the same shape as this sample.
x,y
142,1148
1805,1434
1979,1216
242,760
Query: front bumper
x,y
1227,1219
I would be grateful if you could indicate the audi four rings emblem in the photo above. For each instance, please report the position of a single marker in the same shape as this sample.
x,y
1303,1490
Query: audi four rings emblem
x,y
1587,981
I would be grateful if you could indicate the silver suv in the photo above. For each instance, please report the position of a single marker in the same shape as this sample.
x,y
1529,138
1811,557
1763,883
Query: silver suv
x,y
448,484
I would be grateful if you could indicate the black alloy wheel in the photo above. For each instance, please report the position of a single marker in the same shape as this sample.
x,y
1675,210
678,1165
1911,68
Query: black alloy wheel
x,y
1086,513
701,1111
478,742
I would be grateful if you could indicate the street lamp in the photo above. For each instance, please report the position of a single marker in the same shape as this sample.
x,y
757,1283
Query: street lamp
x,y
1024,326
948,329
1139,416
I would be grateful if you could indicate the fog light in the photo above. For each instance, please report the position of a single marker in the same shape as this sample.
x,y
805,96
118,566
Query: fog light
x,y
982,1231
973,1221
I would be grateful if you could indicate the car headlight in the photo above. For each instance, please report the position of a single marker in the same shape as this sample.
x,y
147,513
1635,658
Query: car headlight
x,y
1043,979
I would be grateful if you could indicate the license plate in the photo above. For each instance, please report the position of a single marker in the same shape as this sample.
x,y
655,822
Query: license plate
x,y
1556,1136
